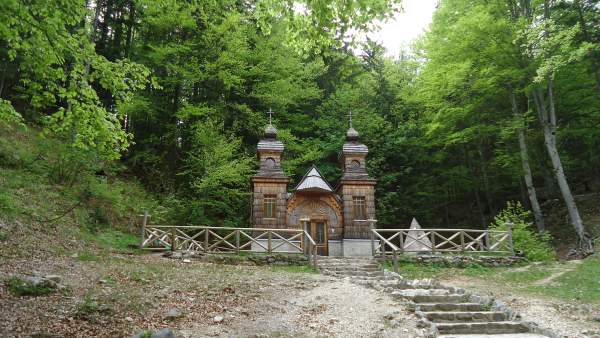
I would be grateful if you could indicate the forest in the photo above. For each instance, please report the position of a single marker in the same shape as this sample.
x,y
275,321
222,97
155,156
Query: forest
x,y
498,100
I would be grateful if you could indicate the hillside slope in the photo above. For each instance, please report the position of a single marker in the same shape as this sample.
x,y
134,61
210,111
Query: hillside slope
x,y
55,200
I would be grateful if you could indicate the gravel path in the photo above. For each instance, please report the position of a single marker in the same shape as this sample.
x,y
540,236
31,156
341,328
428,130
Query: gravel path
x,y
330,308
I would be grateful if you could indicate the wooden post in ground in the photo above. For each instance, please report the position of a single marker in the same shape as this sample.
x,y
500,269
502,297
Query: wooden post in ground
x,y
237,241
511,245
173,239
395,260
306,248
371,228
462,241
144,223
206,233
315,264
269,241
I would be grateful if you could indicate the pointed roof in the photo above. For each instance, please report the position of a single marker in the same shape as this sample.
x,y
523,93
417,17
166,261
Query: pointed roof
x,y
313,181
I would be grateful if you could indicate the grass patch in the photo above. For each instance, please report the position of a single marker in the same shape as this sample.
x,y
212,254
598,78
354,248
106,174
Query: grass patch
x,y
87,256
90,309
21,287
117,240
582,284
531,275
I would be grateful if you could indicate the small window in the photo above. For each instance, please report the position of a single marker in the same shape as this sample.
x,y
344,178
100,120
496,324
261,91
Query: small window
x,y
269,206
360,207
270,163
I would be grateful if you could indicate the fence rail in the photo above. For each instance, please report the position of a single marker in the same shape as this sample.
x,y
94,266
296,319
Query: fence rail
x,y
395,241
209,239
443,240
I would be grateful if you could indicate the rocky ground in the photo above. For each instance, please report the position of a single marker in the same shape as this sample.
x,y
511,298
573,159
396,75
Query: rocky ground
x,y
331,308
120,295
572,319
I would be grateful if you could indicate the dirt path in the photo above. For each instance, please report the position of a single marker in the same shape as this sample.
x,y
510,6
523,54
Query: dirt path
x,y
331,308
560,270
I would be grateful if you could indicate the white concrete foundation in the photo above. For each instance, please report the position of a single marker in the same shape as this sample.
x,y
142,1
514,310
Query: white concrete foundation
x,y
336,248
278,245
358,247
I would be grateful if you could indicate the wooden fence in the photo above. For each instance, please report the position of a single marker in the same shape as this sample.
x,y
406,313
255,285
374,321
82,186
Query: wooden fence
x,y
395,241
228,240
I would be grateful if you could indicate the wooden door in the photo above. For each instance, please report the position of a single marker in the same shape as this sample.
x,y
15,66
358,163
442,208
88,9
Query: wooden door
x,y
318,231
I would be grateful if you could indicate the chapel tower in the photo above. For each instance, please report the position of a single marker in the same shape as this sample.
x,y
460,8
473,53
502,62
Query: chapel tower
x,y
269,185
356,188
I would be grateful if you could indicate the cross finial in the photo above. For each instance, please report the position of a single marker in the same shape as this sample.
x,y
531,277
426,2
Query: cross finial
x,y
270,112
350,116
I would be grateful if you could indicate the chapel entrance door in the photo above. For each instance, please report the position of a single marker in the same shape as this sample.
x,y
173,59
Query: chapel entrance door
x,y
318,231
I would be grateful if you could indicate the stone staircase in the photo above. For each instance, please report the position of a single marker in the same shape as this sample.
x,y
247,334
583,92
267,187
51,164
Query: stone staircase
x,y
449,312
363,268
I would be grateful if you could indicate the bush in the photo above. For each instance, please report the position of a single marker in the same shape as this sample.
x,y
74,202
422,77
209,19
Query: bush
x,y
535,246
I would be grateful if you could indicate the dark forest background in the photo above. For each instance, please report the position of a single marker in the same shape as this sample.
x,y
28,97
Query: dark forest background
x,y
174,94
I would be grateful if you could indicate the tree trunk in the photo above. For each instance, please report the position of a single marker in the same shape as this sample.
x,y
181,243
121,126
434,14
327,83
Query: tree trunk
x,y
586,37
484,222
130,25
547,115
486,182
548,121
533,200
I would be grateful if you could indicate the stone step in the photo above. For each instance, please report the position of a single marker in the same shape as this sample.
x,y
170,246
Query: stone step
x,y
410,284
350,266
345,265
437,307
500,335
449,298
410,293
471,316
355,269
482,327
352,273
346,261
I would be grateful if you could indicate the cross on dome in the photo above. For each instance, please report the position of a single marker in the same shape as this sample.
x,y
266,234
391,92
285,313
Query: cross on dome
x,y
350,116
270,112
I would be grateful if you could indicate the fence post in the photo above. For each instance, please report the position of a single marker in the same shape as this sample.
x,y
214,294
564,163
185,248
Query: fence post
x,y
206,233
316,265
269,244
432,235
371,228
395,260
144,223
402,241
487,240
462,241
173,239
306,248
511,245
237,241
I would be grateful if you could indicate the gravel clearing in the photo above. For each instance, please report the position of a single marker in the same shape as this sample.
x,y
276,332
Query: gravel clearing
x,y
331,308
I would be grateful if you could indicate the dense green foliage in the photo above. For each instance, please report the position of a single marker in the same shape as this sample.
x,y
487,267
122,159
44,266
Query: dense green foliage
x,y
535,246
178,90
